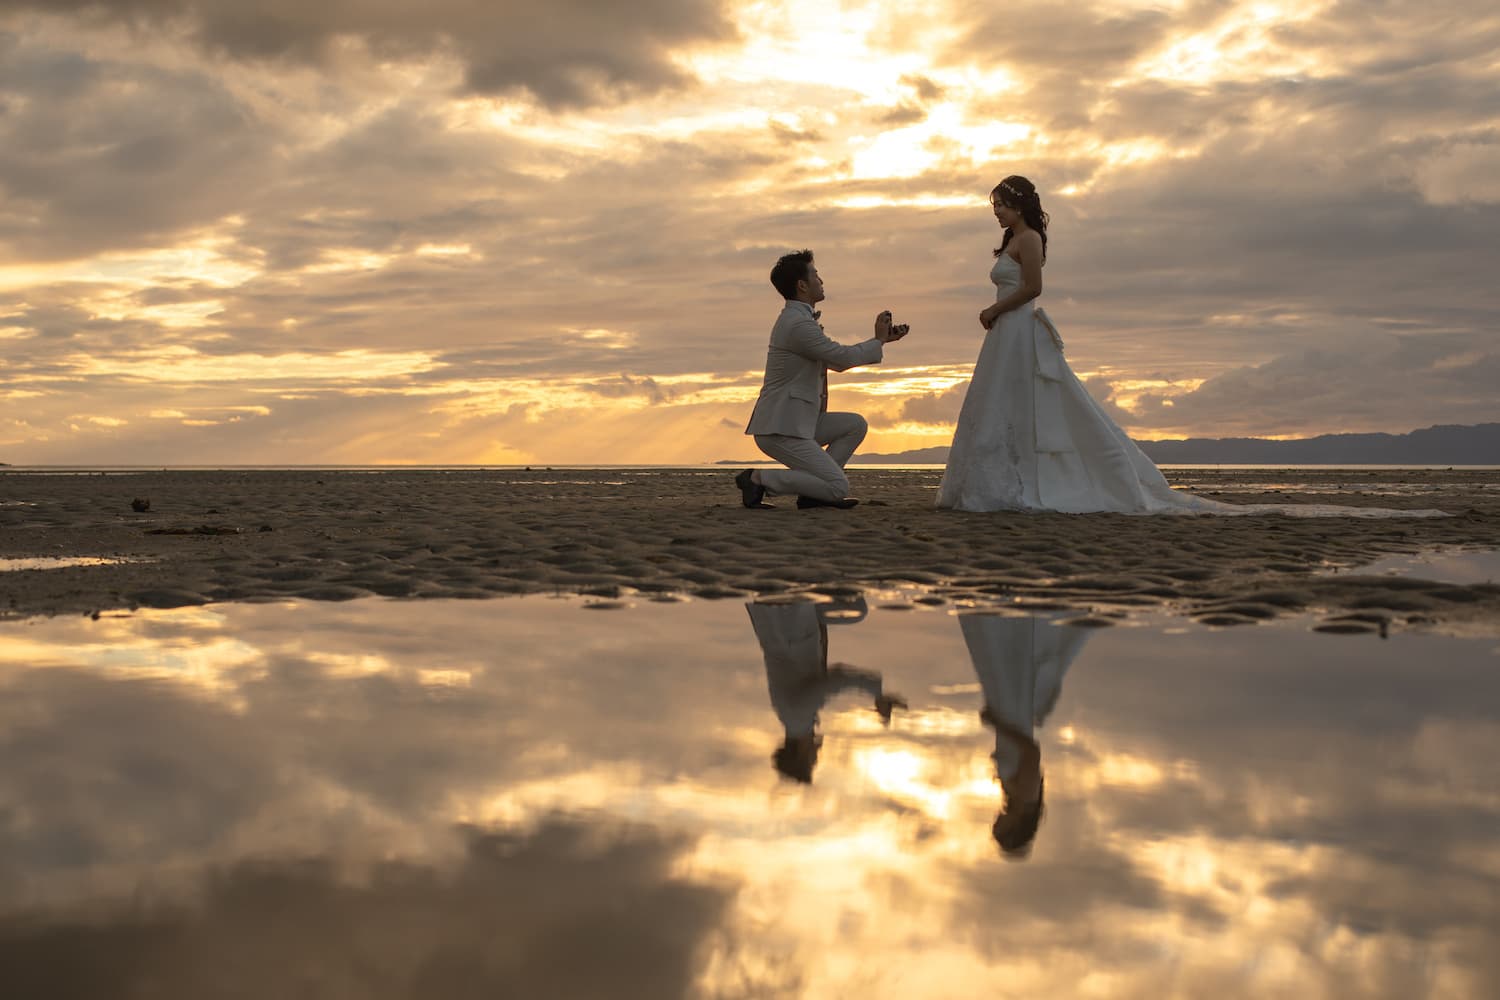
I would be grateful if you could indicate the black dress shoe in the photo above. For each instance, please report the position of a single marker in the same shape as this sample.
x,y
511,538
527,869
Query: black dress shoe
x,y
751,493
803,503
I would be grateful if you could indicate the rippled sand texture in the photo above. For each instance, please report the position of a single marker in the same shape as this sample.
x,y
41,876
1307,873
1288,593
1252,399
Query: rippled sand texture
x,y
226,536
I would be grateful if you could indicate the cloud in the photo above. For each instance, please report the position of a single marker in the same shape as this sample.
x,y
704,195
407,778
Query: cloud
x,y
102,155
926,408
926,90
563,53
1461,173
1103,393
1382,383
900,114
624,386
1091,41
507,919
325,181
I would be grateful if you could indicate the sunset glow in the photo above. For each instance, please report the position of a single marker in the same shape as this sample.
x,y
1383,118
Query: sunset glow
x,y
458,235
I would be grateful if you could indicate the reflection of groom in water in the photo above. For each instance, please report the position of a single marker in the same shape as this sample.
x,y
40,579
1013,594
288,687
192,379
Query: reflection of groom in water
x,y
1020,663
794,641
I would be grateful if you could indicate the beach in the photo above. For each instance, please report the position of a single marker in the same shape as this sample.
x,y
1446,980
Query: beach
x,y
335,535
726,752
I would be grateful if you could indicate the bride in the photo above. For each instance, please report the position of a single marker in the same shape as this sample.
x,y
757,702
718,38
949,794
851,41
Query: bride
x,y
1029,436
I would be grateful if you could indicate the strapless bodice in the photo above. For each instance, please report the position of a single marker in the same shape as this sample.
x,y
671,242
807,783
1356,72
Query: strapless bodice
x,y
1006,274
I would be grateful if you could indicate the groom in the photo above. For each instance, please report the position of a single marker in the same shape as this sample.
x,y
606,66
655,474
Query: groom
x,y
791,422
794,643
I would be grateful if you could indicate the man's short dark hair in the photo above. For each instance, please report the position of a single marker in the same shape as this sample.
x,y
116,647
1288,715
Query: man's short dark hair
x,y
794,762
789,270
1016,840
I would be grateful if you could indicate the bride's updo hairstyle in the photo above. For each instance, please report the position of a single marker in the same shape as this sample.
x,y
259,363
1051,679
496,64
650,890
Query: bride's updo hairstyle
x,y
1020,194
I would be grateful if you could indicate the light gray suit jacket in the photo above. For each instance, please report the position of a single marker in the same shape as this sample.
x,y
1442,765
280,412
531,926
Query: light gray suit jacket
x,y
794,393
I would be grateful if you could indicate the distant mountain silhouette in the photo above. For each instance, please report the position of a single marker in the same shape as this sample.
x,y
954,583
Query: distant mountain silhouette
x,y
1447,444
917,456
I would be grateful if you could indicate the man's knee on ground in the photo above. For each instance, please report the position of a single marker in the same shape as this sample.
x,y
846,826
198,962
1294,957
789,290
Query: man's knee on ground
x,y
834,488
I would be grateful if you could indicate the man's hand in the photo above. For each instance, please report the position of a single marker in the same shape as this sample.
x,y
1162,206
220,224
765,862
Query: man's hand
x,y
885,704
885,332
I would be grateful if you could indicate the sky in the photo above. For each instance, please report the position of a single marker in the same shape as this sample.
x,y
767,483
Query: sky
x,y
539,231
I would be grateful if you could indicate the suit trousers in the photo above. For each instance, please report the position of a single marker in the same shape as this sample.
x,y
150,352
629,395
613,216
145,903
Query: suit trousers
x,y
811,470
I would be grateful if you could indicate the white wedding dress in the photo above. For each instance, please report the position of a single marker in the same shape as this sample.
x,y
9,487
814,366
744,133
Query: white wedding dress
x,y
1020,663
1030,437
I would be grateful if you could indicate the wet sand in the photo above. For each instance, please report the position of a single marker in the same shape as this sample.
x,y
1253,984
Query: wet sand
x,y
337,535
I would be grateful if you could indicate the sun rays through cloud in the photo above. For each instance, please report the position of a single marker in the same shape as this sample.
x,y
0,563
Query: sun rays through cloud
x,y
366,233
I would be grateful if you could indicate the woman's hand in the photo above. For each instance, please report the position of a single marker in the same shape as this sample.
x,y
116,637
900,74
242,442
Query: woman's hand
x,y
987,317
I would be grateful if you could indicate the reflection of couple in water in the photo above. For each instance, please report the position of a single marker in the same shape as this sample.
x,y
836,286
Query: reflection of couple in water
x,y
1020,663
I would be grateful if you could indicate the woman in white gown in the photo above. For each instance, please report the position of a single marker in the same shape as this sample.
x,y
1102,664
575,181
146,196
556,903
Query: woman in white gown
x,y
1029,436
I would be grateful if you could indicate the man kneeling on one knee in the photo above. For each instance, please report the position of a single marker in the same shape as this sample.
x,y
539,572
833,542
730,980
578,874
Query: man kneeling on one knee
x,y
791,422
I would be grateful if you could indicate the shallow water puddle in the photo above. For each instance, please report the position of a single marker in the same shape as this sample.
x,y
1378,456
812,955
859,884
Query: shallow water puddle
x,y
56,562
1446,567
522,797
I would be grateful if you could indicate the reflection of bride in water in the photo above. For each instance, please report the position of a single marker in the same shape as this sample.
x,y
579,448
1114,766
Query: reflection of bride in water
x,y
793,639
1020,663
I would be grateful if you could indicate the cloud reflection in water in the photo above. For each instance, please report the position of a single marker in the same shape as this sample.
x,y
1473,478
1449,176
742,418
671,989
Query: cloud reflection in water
x,y
399,798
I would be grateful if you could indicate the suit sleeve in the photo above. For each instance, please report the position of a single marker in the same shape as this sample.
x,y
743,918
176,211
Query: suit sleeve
x,y
808,340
